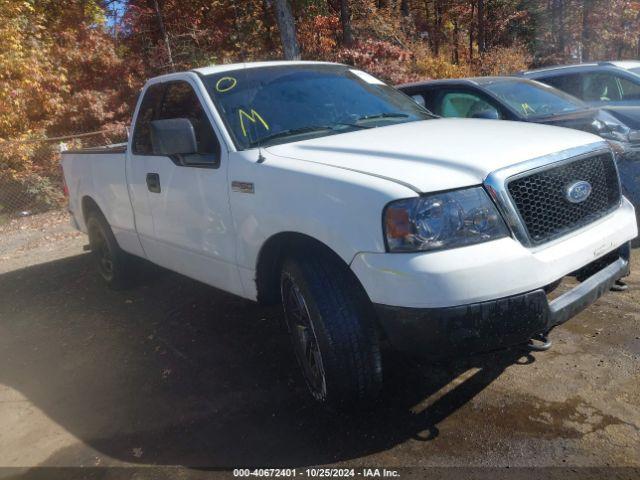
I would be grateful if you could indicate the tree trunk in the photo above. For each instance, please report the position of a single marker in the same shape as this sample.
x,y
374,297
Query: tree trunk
x,y
456,40
552,10
345,19
427,21
621,42
638,45
587,10
404,8
471,33
270,45
561,29
482,45
165,36
437,30
287,28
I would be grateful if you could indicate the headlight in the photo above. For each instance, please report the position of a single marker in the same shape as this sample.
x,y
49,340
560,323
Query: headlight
x,y
442,220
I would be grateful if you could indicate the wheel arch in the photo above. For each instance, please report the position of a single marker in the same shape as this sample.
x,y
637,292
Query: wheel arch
x,y
273,252
89,206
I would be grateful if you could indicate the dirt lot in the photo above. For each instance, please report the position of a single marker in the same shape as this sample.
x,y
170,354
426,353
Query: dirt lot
x,y
176,373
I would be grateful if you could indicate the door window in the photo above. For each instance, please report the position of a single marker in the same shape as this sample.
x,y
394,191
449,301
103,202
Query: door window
x,y
181,101
464,105
424,97
630,90
570,84
600,87
141,144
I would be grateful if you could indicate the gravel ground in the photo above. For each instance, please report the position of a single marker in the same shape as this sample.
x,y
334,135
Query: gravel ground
x,y
176,373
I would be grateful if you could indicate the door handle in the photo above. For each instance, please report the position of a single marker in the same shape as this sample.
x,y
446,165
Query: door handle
x,y
153,182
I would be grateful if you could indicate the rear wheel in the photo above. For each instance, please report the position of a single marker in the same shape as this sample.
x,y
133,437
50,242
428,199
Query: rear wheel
x,y
331,324
114,265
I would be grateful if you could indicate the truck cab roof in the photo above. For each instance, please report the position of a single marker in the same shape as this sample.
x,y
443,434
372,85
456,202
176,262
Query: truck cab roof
x,y
239,66
230,67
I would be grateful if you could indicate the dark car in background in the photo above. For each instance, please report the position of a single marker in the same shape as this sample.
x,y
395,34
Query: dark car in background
x,y
522,100
519,99
602,83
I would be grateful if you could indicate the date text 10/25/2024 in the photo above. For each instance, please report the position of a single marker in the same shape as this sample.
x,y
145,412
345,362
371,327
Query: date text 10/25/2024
x,y
317,472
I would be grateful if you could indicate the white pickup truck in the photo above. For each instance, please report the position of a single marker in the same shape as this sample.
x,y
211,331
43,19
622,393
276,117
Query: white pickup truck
x,y
319,186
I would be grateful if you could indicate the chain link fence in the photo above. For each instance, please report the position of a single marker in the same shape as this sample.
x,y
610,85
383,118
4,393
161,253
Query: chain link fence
x,y
31,175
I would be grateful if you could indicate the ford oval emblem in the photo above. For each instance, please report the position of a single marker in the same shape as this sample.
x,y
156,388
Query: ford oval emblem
x,y
578,192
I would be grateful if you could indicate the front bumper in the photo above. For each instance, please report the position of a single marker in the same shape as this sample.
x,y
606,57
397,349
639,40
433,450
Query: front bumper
x,y
487,271
482,326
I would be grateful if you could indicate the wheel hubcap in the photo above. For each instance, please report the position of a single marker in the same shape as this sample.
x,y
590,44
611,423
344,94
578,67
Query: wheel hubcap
x,y
305,342
103,255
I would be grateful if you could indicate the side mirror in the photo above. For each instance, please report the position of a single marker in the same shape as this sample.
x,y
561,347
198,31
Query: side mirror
x,y
419,99
175,136
489,114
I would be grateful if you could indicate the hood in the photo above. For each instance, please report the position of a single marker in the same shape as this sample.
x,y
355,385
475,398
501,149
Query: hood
x,y
630,116
434,155
584,120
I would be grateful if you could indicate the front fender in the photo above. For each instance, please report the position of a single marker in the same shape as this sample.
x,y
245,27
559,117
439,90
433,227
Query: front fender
x,y
339,208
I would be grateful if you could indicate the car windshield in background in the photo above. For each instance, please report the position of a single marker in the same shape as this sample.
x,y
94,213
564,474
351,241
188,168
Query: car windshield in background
x,y
270,105
531,100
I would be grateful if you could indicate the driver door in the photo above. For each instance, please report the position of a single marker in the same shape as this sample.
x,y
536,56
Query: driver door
x,y
188,198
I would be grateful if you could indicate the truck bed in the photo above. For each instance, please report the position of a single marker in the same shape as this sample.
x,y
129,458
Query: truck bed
x,y
113,148
100,173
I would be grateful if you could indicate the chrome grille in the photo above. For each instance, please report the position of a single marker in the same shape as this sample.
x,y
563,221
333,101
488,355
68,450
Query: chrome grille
x,y
540,197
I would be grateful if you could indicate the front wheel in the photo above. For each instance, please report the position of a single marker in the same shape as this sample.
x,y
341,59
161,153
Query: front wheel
x,y
332,329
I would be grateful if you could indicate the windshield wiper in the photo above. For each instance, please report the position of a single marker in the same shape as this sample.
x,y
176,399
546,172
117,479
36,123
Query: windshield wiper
x,y
384,115
311,128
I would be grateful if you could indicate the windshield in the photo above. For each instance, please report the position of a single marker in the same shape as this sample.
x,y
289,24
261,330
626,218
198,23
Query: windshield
x,y
265,106
635,70
533,100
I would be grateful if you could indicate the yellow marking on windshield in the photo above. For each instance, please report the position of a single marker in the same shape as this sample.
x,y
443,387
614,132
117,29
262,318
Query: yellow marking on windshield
x,y
527,109
254,117
225,84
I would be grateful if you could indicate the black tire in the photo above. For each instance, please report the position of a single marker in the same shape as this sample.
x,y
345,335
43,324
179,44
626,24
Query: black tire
x,y
336,345
114,265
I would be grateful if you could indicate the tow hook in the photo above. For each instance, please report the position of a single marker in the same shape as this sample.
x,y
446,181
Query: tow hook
x,y
540,343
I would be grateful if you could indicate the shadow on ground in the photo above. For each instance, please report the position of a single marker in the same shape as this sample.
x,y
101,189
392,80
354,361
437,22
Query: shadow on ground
x,y
176,373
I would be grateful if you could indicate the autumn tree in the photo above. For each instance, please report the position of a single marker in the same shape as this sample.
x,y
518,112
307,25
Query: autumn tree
x,y
32,83
60,73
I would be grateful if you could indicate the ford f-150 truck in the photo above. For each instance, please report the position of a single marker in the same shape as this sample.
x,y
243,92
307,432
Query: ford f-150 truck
x,y
373,222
